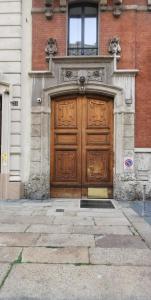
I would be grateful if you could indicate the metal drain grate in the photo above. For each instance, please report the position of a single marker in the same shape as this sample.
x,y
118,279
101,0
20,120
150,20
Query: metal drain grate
x,y
96,204
59,210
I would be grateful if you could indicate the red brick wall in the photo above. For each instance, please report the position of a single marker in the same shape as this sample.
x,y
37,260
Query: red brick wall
x,y
134,30
42,30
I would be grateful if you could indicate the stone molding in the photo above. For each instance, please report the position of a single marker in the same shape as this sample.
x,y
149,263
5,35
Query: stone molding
x,y
142,150
103,8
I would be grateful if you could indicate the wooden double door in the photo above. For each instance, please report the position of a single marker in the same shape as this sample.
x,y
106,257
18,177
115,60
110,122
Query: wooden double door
x,y
81,145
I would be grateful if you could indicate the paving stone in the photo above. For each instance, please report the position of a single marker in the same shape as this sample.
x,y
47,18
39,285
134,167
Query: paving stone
x,y
26,220
73,220
69,282
68,255
129,211
114,256
65,240
12,227
18,239
144,230
119,241
142,227
112,221
9,254
101,214
50,228
4,268
102,230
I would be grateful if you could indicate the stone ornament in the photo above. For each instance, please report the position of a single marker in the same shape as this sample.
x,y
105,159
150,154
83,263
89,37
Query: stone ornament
x,y
51,48
117,7
114,46
48,9
63,5
90,75
117,2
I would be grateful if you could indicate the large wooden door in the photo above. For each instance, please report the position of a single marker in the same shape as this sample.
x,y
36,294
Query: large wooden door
x,y
81,145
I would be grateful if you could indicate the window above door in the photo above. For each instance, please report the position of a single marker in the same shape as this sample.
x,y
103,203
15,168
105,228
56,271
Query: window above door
x,y
83,29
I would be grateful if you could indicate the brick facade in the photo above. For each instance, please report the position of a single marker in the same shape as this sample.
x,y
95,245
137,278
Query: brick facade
x,y
133,28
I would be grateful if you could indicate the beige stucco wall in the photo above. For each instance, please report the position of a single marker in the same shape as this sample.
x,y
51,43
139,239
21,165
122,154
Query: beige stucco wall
x,y
10,80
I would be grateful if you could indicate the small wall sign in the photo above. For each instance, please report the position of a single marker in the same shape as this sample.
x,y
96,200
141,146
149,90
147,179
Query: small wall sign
x,y
4,159
128,163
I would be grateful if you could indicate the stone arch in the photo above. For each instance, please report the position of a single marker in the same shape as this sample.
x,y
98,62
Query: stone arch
x,y
93,88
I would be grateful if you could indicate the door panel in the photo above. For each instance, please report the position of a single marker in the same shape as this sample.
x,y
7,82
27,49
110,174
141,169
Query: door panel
x,y
65,147
97,142
81,145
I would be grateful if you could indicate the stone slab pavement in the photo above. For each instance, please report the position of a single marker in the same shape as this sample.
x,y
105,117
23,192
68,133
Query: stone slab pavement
x,y
55,250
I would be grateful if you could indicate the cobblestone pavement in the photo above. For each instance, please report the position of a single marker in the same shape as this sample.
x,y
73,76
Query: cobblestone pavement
x,y
58,251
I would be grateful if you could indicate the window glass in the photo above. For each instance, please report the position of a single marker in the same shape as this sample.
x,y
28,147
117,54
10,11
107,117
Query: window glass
x,y
75,11
90,11
90,33
75,33
83,22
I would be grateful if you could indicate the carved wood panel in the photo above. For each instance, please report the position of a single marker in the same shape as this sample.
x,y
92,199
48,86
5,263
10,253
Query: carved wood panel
x,y
66,114
97,165
97,113
65,165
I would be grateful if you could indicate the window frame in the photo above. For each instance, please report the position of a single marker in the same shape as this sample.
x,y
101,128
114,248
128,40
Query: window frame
x,y
83,16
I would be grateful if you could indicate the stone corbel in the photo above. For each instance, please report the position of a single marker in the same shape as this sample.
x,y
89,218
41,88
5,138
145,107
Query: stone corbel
x,y
103,4
149,4
63,5
114,46
49,9
51,50
117,7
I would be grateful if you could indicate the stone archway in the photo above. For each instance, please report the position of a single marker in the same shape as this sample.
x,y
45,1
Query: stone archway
x,y
39,183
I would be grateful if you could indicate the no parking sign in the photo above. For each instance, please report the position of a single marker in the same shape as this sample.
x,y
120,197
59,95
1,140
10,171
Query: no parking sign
x,y
128,163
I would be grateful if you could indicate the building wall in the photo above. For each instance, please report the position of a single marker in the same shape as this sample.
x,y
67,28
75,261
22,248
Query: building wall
x,y
10,79
133,28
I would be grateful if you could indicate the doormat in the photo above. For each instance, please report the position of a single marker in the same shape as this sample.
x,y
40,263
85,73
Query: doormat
x,y
96,204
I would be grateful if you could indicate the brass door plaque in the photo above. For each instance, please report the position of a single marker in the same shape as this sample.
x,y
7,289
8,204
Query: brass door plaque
x,y
98,193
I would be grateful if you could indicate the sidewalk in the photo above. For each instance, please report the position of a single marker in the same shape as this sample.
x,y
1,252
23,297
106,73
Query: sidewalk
x,y
55,250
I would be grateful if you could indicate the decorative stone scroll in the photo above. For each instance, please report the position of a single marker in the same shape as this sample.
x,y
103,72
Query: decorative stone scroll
x,y
114,46
97,74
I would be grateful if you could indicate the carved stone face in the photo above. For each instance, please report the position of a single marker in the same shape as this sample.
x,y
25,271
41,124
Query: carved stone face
x,y
114,46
